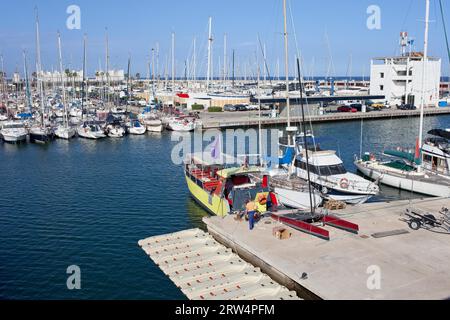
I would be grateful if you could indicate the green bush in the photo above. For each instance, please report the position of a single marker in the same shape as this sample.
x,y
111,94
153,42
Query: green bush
x,y
197,107
215,109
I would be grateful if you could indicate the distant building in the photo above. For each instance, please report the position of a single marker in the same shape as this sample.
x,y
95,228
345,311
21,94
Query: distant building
x,y
55,76
114,76
16,78
400,79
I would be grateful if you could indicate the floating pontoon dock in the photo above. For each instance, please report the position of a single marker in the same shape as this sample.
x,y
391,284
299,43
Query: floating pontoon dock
x,y
386,260
205,270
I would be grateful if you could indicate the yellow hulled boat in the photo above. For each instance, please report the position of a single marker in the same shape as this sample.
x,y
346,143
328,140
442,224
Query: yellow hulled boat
x,y
223,190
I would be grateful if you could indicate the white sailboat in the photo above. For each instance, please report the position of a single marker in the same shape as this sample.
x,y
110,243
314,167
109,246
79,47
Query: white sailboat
x,y
40,132
424,172
291,190
63,131
183,124
135,127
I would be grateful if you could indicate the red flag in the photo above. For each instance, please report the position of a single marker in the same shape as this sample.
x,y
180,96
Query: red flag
x,y
417,155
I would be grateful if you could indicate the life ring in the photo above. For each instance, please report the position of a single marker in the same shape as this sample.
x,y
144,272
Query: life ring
x,y
344,183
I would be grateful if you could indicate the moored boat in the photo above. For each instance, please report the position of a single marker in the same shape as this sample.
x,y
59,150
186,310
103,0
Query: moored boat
x,y
222,191
13,132
90,130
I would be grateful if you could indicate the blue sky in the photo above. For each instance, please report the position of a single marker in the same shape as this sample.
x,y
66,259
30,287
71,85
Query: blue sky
x,y
135,26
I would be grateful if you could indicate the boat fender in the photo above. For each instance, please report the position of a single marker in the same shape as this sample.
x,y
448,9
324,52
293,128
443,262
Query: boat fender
x,y
324,190
344,183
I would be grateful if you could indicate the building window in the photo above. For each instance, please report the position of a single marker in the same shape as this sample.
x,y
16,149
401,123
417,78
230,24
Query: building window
x,y
382,75
410,72
381,87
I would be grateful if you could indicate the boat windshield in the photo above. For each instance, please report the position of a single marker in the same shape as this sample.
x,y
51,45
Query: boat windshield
x,y
330,170
13,126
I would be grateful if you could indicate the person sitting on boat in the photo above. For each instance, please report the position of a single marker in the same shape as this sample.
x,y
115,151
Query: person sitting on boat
x,y
251,209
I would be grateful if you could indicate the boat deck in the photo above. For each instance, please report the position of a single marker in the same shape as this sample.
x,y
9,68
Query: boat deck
x,y
284,181
430,177
203,269
386,260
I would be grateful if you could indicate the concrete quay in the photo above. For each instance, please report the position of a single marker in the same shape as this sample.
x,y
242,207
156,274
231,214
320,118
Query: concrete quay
x,y
406,264
250,119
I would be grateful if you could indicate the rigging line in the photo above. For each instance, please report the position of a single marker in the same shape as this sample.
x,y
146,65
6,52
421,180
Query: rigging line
x,y
298,52
266,65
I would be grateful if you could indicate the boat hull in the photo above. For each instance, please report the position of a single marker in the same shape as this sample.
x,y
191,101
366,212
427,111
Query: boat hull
x,y
158,128
10,138
40,137
90,135
138,130
213,203
297,199
404,182
65,133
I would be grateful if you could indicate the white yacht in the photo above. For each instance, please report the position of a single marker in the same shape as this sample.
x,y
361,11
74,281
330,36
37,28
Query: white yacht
x,y
154,125
292,191
90,130
427,174
65,132
135,127
41,134
13,132
181,124
115,130
328,175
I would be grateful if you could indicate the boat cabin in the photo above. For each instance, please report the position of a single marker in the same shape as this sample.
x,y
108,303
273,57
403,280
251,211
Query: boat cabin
x,y
232,185
436,155
322,163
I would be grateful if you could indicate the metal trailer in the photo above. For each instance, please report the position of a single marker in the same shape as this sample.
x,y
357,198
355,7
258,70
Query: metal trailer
x,y
417,219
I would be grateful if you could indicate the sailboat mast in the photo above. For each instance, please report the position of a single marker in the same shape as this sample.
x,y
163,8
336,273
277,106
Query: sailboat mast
x,y
305,140
38,68
61,70
173,61
3,80
107,70
286,69
259,117
225,58
425,58
208,75
83,93
194,67
27,82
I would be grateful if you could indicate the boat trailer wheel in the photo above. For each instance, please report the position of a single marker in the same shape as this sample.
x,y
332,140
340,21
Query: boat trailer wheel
x,y
415,224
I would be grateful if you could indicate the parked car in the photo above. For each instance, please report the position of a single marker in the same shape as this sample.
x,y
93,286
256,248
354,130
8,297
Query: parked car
x,y
346,109
229,107
251,107
378,106
357,106
406,107
240,107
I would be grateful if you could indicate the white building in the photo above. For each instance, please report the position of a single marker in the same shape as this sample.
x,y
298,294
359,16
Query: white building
x,y
55,76
114,76
16,78
399,79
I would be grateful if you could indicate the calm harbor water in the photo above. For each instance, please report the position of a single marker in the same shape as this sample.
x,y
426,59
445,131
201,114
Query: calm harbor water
x,y
87,203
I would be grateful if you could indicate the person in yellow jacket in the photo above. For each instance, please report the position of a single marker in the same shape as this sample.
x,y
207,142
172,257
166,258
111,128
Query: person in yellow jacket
x,y
251,209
